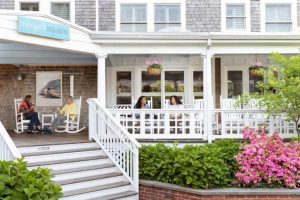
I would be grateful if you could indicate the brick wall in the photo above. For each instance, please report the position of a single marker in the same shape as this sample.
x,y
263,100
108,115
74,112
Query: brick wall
x,y
156,193
203,15
7,4
107,15
85,13
85,85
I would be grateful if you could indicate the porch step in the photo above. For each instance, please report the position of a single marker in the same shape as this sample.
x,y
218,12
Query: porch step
x,y
81,176
55,149
95,185
78,166
124,193
83,170
64,157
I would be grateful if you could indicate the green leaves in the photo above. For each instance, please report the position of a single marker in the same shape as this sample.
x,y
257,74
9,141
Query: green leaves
x,y
18,183
207,166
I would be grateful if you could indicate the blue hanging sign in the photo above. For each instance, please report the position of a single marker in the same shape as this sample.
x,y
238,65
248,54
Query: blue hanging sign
x,y
43,28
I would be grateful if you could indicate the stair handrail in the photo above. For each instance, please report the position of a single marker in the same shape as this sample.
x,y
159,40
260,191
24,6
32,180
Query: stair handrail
x,y
115,141
8,148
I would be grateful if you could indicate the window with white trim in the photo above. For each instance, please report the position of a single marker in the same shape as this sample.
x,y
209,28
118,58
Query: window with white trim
x,y
133,18
167,16
235,16
29,6
278,18
61,10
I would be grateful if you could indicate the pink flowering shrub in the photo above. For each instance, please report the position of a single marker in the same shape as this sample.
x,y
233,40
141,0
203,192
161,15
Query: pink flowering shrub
x,y
268,162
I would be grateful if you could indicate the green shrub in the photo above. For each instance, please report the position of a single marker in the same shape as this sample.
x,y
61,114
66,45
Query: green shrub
x,y
207,166
19,183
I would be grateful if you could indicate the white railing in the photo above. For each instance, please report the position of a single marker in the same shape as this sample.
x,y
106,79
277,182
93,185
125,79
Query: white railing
x,y
8,150
230,123
115,141
189,123
162,124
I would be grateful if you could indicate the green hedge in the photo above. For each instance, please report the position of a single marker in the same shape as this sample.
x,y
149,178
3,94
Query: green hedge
x,y
207,166
19,183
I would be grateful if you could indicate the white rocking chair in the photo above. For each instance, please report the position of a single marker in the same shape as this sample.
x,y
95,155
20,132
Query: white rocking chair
x,y
72,126
22,124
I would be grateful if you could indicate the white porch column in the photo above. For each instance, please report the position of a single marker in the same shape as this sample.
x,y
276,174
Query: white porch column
x,y
101,83
208,101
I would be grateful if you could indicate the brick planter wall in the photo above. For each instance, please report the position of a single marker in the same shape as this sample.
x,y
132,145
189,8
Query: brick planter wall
x,y
85,85
151,190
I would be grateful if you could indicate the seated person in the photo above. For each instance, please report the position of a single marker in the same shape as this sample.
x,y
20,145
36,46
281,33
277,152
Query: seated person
x,y
68,109
175,103
141,104
27,108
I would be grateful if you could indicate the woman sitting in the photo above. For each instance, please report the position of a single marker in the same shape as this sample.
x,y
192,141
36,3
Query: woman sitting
x,y
68,109
142,103
27,108
175,119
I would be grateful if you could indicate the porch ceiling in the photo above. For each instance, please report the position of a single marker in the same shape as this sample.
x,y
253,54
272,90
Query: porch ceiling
x,y
29,54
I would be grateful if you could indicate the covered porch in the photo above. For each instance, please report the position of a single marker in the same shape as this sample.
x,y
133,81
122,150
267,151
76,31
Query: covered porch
x,y
208,73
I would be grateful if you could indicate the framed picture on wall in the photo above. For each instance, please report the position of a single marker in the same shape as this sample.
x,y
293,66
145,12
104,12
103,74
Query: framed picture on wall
x,y
49,88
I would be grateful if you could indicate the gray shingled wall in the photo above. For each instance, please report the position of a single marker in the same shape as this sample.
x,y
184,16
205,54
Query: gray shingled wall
x,y
203,15
107,15
7,4
255,15
85,11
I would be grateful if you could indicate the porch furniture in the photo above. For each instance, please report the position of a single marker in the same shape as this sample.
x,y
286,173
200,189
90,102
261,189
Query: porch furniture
x,y
232,121
50,118
198,103
22,124
72,125
120,106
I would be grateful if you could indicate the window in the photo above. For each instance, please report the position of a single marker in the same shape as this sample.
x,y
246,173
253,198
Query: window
x,y
235,83
61,10
198,84
167,16
235,16
29,6
278,18
124,87
133,18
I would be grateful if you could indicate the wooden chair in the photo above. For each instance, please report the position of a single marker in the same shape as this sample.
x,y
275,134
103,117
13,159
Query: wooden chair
x,y
198,103
72,126
21,123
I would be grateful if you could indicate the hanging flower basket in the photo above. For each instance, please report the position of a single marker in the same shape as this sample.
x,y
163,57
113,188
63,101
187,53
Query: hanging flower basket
x,y
255,68
153,67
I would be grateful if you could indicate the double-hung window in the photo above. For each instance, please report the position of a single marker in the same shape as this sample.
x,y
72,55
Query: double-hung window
x,y
235,17
167,16
29,6
278,18
61,10
133,18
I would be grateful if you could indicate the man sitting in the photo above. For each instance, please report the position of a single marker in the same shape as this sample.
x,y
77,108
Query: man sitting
x,y
68,109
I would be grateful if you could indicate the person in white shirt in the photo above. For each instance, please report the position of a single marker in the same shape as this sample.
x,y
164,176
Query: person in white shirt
x,y
175,119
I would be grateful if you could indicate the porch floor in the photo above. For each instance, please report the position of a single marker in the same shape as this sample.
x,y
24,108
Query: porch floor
x,y
36,139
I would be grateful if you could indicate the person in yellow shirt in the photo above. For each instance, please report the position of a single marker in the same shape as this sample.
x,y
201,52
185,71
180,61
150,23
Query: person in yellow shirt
x,y
68,109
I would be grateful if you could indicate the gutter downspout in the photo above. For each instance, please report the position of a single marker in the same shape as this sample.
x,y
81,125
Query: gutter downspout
x,y
97,15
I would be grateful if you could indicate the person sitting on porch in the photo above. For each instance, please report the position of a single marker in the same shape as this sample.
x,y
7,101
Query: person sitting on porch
x,y
68,109
27,108
175,103
141,104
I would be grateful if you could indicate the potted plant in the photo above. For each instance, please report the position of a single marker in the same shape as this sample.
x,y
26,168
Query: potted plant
x,y
255,68
153,67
